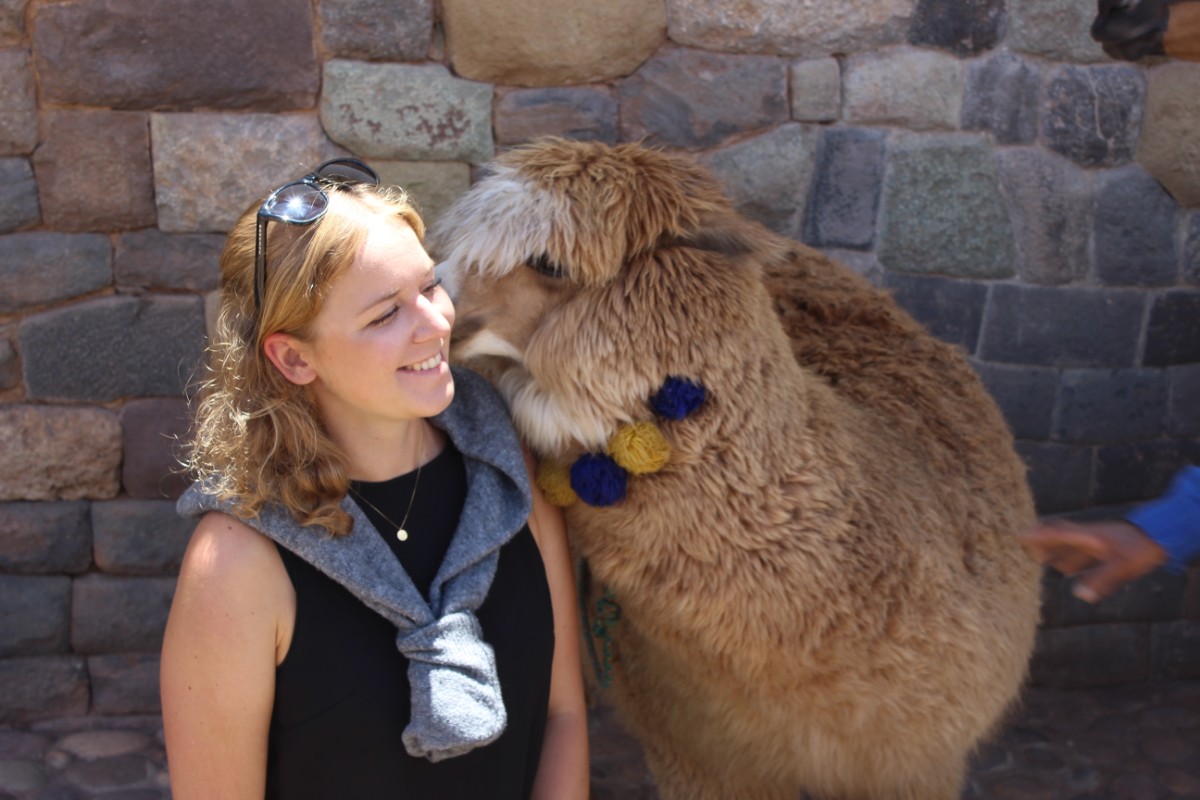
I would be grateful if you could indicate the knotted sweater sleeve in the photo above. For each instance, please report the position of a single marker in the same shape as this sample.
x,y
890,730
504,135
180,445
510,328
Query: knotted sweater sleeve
x,y
1174,519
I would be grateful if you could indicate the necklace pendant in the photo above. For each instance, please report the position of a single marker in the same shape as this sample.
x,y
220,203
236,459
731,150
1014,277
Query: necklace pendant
x,y
402,535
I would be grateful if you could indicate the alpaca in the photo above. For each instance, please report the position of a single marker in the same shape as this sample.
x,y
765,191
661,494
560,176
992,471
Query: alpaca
x,y
803,504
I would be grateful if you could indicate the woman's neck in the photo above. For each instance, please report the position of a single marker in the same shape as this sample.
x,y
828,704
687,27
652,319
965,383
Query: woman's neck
x,y
381,455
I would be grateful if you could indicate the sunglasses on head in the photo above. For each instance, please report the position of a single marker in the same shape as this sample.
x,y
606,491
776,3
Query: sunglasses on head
x,y
302,202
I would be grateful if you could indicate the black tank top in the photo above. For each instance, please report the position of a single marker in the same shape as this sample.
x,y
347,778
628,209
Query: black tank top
x,y
342,696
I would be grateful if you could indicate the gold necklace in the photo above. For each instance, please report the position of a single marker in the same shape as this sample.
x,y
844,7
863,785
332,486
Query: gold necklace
x,y
401,533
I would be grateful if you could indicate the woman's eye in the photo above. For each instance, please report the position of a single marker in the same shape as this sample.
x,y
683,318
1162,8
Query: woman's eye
x,y
431,288
384,317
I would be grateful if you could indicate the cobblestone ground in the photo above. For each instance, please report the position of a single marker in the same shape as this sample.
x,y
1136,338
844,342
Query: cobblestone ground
x,y
1140,742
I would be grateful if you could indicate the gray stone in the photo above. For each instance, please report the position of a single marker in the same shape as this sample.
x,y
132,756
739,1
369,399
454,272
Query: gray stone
x,y
1056,327
121,772
24,745
585,112
1183,418
1091,655
417,112
151,259
1166,147
785,27
433,185
767,177
951,310
943,211
93,745
1056,29
1134,472
42,687
861,262
154,437
1175,649
1135,230
113,347
41,267
53,453
915,89
695,100
1026,395
1171,333
34,615
209,167
1191,249
119,615
21,776
1050,202
844,203
1157,596
18,195
143,54
12,21
1001,97
10,367
18,102
1092,115
1111,405
139,537
125,684
816,90
963,27
45,537
387,30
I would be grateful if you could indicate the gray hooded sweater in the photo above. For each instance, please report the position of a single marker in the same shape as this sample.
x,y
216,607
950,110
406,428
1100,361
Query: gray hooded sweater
x,y
456,702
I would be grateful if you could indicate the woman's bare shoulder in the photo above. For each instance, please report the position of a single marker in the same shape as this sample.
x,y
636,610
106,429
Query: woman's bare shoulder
x,y
226,557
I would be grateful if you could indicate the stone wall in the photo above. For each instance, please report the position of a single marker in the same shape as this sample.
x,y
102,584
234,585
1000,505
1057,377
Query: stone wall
x,y
1022,195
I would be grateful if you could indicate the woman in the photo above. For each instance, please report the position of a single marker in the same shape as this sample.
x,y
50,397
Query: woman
x,y
374,602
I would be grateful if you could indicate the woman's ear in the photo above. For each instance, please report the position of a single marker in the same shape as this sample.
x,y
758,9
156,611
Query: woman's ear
x,y
288,354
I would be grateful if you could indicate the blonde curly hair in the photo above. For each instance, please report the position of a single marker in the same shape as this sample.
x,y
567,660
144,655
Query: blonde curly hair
x,y
256,437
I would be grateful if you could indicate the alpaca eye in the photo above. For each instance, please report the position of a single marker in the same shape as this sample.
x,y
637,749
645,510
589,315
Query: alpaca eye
x,y
544,266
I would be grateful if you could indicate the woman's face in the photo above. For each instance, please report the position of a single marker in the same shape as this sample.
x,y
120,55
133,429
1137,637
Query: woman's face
x,y
381,340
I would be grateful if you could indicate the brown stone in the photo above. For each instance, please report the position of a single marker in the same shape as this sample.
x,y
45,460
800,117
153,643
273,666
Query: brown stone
x,y
583,112
58,453
1167,147
18,105
93,171
145,54
151,259
153,434
12,21
119,615
124,684
550,42
45,538
391,30
42,688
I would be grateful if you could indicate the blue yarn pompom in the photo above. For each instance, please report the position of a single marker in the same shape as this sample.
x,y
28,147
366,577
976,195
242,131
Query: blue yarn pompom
x,y
677,398
598,480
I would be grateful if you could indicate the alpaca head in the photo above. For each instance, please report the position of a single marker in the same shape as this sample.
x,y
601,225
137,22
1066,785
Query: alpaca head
x,y
583,275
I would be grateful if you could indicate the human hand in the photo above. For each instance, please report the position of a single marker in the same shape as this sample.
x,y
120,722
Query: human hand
x,y
1104,555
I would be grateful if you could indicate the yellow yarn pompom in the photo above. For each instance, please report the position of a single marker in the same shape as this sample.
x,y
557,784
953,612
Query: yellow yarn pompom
x,y
555,483
640,448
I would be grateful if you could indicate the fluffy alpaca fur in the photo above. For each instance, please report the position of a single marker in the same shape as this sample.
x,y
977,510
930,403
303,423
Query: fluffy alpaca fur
x,y
821,591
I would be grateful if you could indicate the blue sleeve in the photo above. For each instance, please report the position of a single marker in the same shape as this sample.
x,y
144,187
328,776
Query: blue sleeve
x,y
1174,519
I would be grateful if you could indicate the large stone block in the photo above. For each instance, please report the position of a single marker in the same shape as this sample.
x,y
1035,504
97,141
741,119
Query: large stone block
x,y
139,537
951,310
154,435
1063,327
1171,333
1060,475
1001,96
54,452
1183,418
964,27
119,615
151,259
39,268
1091,656
1155,597
18,195
415,112
1050,202
816,90
1056,29
1026,396
208,167
1175,650
915,89
943,211
1191,249
143,54
434,185
1135,230
42,687
585,112
385,30
45,537
125,684
1092,115
35,615
12,21
1111,405
1134,472
93,170
18,102
10,368
550,42
113,347
695,100
767,177
805,28
1167,146
844,204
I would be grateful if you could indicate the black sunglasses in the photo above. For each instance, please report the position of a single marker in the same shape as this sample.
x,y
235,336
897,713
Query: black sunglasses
x,y
302,202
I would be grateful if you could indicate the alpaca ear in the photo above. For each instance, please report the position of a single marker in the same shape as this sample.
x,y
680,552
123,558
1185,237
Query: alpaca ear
x,y
716,235
287,353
